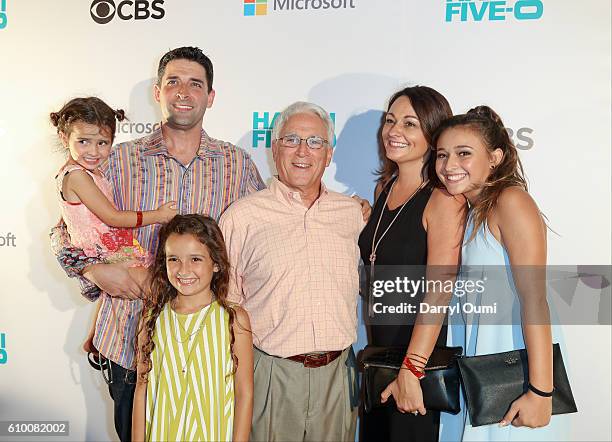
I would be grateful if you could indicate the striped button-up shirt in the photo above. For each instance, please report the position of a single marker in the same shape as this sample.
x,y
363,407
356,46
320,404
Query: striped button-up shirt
x,y
295,269
144,176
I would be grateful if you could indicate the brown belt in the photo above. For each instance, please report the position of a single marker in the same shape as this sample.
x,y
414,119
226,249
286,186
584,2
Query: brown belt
x,y
316,360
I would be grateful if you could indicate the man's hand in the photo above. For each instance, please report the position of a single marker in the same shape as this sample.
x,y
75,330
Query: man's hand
x,y
366,209
118,280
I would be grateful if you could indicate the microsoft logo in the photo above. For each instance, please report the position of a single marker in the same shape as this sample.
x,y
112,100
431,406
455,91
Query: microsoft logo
x,y
255,7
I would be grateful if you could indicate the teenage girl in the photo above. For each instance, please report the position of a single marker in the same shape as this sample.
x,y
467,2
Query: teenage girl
x,y
86,128
505,236
195,351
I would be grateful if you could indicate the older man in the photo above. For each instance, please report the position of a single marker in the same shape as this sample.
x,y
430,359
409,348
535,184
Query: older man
x,y
293,250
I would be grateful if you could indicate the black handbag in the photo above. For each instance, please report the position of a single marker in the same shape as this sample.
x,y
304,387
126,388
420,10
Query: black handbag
x,y
492,382
380,366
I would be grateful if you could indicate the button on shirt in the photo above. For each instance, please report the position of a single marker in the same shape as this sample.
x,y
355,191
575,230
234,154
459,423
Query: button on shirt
x,y
295,269
144,176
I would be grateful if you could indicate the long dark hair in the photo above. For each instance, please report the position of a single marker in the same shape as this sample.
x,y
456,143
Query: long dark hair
x,y
485,122
431,108
206,230
90,110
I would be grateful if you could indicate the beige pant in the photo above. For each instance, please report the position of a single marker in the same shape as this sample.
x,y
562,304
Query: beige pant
x,y
295,403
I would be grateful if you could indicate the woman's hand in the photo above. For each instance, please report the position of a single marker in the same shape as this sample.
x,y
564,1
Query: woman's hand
x,y
529,410
406,390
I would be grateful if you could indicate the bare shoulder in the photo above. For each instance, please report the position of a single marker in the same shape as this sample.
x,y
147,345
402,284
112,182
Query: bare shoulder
x,y
442,201
77,176
513,201
515,209
243,321
378,190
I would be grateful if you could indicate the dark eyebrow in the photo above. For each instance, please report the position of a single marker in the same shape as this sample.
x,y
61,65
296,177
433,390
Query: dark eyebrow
x,y
176,77
405,116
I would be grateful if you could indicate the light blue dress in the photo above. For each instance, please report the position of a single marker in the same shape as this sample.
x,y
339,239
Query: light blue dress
x,y
485,259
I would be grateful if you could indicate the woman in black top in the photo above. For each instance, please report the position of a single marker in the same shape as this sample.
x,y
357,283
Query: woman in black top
x,y
414,223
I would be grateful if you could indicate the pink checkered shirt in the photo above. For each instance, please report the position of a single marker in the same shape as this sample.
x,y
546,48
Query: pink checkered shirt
x,y
295,269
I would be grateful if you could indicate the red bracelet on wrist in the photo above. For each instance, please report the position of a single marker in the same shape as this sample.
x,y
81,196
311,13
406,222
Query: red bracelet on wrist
x,y
414,370
138,219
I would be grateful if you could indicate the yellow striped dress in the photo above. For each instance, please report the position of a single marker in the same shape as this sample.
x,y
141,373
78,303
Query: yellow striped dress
x,y
190,393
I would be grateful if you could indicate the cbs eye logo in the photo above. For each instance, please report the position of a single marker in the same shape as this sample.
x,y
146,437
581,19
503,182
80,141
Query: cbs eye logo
x,y
103,11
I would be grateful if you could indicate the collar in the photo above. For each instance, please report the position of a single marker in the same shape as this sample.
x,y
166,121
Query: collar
x,y
291,196
154,144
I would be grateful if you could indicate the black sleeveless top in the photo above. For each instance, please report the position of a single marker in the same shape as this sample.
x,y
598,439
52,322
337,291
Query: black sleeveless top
x,y
405,244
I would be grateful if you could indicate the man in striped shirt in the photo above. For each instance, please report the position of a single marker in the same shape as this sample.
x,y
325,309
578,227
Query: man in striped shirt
x,y
178,162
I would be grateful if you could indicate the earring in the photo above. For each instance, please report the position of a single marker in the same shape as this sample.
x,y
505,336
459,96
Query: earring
x,y
215,268
492,166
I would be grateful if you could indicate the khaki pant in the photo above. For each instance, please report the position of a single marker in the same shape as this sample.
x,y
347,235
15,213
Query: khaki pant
x,y
295,403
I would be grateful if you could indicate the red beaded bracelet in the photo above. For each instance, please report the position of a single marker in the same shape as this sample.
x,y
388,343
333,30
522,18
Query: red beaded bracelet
x,y
414,370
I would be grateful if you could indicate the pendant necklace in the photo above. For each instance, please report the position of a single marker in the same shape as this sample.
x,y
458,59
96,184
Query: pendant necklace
x,y
375,243
189,337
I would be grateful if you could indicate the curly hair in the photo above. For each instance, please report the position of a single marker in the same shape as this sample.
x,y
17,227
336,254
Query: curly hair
x,y
485,123
207,232
90,110
431,109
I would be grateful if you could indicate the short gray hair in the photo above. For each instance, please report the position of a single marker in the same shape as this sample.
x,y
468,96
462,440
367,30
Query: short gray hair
x,y
302,107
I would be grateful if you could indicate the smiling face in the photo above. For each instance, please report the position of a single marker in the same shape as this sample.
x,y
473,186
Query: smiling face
x,y
463,161
183,94
302,168
189,266
402,136
89,145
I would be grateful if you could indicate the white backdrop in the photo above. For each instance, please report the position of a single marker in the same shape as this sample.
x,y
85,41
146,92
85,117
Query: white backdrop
x,y
548,77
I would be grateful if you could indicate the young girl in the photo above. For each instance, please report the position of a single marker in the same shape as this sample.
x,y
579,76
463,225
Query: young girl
x,y
195,351
506,238
86,128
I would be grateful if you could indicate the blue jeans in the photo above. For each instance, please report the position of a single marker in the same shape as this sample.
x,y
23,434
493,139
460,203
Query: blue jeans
x,y
121,389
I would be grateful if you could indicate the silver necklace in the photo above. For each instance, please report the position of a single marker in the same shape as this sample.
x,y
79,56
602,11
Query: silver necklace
x,y
375,243
189,337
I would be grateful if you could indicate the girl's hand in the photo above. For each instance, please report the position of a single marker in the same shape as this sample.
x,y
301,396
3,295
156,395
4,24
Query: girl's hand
x,y
406,390
166,212
529,410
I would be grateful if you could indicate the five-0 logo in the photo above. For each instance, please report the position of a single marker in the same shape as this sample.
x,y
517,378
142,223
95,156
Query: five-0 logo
x,y
3,353
3,18
103,11
262,128
466,10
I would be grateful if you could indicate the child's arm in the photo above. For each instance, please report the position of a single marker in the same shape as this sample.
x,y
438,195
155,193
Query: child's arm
x,y
140,392
243,379
78,186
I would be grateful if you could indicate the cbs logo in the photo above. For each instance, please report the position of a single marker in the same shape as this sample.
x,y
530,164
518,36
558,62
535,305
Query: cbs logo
x,y
103,11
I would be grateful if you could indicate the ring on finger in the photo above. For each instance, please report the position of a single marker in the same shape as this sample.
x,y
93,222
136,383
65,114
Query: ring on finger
x,y
415,412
